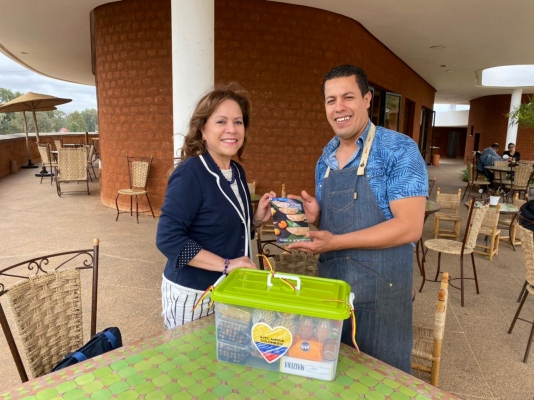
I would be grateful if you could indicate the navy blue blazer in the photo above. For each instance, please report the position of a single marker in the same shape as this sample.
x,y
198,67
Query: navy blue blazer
x,y
195,209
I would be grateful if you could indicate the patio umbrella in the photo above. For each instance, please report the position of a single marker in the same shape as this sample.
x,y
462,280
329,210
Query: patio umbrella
x,y
32,102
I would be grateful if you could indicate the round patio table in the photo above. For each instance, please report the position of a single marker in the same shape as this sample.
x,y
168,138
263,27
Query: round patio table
x,y
182,364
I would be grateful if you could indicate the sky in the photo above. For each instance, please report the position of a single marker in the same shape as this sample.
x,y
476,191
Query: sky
x,y
15,77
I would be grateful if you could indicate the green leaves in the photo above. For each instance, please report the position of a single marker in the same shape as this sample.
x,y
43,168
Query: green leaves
x,y
523,115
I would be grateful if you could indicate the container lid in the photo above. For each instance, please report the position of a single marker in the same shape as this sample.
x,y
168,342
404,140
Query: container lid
x,y
317,297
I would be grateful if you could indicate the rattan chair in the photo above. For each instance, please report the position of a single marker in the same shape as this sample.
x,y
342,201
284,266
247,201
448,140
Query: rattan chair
x,y
454,247
498,163
58,142
510,223
431,183
427,342
90,154
46,159
471,179
138,173
449,202
282,260
491,232
528,288
44,298
72,167
522,176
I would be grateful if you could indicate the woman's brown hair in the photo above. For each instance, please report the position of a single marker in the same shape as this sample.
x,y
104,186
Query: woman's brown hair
x,y
193,144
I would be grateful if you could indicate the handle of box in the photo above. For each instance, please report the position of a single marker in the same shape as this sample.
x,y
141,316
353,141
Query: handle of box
x,y
351,298
219,280
276,275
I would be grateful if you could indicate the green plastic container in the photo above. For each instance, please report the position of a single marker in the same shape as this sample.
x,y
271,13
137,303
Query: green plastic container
x,y
261,322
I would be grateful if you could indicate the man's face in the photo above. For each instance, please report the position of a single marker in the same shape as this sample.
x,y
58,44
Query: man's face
x,y
346,108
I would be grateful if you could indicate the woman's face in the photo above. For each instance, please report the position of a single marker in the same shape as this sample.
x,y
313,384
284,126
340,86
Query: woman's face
x,y
511,149
224,132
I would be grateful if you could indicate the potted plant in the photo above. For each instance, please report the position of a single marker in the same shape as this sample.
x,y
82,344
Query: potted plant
x,y
523,114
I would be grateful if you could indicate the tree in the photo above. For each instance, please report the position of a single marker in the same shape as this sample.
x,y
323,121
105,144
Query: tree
x,y
90,116
76,123
523,114
5,118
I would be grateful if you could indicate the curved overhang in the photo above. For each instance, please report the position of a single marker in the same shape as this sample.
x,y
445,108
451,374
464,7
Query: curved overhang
x,y
510,76
444,42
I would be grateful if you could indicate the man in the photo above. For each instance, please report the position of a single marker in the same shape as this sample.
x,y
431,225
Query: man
x,y
488,156
370,201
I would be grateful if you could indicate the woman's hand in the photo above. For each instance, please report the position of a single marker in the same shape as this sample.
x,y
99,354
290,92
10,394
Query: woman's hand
x,y
263,212
241,262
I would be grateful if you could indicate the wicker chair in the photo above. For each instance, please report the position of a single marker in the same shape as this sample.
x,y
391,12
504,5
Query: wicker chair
x,y
466,246
72,167
522,176
138,173
498,163
510,224
528,288
90,154
491,232
286,261
448,202
471,180
427,342
58,143
46,159
44,297
431,183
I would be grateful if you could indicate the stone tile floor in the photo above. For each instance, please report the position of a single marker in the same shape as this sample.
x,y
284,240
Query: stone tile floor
x,y
480,360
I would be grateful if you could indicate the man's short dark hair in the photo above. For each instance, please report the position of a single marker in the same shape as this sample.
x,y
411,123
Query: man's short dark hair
x,y
495,145
343,71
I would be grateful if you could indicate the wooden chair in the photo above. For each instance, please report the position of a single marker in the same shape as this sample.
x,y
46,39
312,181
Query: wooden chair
x,y
282,260
46,159
491,232
431,183
427,342
449,202
252,187
471,179
454,247
522,176
528,288
72,167
44,297
510,223
138,173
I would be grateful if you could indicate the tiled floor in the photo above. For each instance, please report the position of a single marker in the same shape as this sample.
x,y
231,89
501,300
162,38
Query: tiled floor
x,y
480,360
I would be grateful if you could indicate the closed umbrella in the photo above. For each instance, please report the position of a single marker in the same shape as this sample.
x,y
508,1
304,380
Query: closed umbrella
x,y
32,102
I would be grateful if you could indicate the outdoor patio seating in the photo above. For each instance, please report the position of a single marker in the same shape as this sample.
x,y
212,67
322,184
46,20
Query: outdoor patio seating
x,y
44,296
528,288
491,232
427,342
431,183
46,159
472,179
466,246
138,173
72,167
90,154
510,223
449,202
282,260
522,176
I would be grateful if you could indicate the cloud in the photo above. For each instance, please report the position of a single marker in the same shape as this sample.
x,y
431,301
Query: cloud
x,y
19,79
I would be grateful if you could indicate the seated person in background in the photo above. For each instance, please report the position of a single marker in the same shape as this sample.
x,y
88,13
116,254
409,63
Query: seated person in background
x,y
511,153
488,156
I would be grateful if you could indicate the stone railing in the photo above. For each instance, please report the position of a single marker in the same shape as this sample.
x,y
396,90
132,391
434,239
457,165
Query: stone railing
x,y
13,148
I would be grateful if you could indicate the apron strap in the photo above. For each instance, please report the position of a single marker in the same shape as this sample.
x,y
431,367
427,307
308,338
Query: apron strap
x,y
367,149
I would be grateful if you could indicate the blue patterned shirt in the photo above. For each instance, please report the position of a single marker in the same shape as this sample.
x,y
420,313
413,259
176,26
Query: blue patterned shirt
x,y
395,168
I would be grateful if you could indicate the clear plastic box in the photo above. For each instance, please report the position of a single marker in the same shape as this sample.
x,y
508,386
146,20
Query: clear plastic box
x,y
261,322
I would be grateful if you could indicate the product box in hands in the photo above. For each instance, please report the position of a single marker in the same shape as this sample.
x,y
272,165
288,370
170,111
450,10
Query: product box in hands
x,y
262,322
289,220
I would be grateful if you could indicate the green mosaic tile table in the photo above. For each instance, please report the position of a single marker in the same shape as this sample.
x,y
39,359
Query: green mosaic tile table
x,y
182,364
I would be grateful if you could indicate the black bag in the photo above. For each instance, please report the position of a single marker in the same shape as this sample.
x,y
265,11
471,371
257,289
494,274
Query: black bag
x,y
526,215
102,342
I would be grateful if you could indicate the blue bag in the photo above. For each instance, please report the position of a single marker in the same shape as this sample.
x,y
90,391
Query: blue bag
x,y
107,340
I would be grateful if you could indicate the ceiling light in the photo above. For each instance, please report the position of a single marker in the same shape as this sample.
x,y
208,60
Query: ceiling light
x,y
443,65
439,47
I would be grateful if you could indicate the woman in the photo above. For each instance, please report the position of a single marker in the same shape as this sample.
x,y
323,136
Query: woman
x,y
206,222
511,153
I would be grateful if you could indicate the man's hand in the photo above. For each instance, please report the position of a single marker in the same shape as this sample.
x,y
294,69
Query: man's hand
x,y
311,206
323,241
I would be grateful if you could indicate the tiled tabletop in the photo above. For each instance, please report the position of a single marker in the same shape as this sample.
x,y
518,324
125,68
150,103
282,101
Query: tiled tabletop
x,y
182,364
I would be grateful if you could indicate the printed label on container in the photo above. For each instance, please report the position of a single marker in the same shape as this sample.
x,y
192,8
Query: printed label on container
x,y
289,220
272,343
310,369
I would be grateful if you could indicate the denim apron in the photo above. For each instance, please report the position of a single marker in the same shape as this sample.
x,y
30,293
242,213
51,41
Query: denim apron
x,y
380,279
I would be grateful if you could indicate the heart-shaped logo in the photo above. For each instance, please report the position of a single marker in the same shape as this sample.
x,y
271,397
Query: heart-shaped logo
x,y
272,343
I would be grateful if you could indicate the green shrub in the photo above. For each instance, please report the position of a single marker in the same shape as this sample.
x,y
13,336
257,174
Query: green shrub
x,y
465,175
